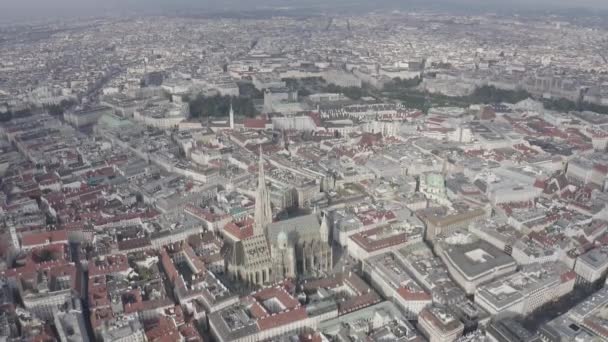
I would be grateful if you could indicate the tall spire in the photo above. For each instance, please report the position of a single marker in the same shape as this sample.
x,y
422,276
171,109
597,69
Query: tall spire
x,y
324,230
263,210
231,114
445,168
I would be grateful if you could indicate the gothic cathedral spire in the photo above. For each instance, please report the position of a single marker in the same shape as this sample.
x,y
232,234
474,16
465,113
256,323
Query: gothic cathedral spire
x,y
231,115
324,230
263,210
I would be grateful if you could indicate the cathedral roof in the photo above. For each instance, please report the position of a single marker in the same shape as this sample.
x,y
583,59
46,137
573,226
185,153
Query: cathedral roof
x,y
298,229
253,250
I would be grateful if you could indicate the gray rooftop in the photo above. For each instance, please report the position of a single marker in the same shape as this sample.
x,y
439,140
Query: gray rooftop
x,y
595,258
233,323
301,228
477,258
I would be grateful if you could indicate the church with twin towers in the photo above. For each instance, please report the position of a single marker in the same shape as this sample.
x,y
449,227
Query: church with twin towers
x,y
291,248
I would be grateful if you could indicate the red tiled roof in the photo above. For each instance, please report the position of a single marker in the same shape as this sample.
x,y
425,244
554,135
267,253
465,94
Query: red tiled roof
x,y
257,310
157,304
134,243
240,232
98,295
203,214
316,118
568,276
254,123
196,261
111,264
601,168
358,302
47,177
283,318
36,239
135,296
273,292
539,184
325,283
370,242
190,333
406,294
163,331
168,266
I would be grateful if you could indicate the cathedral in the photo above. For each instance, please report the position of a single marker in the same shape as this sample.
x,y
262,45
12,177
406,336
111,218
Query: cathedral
x,y
299,246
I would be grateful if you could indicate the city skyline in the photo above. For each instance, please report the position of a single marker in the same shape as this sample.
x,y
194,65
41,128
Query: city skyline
x,y
39,9
304,172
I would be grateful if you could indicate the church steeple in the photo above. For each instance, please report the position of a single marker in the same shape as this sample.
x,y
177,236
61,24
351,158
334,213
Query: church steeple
x,y
324,229
263,210
231,115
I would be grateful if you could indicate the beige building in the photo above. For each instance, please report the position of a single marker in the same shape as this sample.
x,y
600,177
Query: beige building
x,y
441,220
439,325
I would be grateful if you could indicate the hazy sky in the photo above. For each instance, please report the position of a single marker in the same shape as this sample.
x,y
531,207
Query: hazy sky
x,y
37,8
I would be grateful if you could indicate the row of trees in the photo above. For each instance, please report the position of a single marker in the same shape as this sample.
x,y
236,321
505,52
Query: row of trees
x,y
565,105
6,116
423,100
491,94
398,84
305,86
54,109
59,109
9,115
249,90
487,95
354,93
218,106
309,85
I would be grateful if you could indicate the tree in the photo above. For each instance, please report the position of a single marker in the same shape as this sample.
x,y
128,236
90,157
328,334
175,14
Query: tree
x,y
565,105
354,93
6,116
491,94
303,92
218,106
291,83
249,90
560,105
59,109
45,256
397,84
145,274
55,110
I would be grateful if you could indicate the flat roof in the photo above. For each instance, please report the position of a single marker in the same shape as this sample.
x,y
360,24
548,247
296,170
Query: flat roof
x,y
595,258
477,258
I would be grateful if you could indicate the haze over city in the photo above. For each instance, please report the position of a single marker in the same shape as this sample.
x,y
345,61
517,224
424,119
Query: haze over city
x,y
299,171
64,8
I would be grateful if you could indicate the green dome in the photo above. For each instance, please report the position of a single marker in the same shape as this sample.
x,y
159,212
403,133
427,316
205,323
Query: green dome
x,y
282,240
435,180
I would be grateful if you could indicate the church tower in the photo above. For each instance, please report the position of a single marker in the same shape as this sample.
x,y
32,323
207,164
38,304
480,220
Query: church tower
x,y
324,230
263,210
231,115
252,260
14,237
